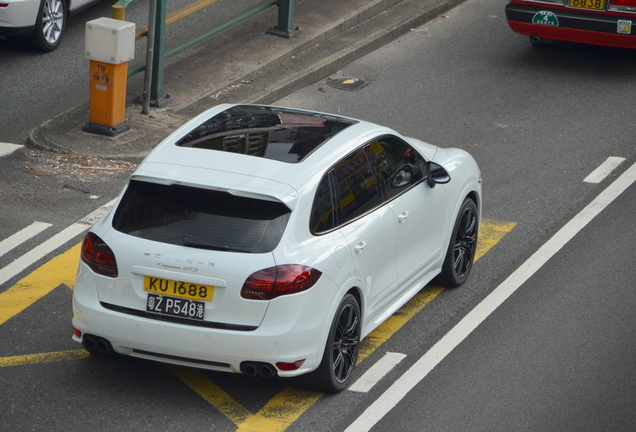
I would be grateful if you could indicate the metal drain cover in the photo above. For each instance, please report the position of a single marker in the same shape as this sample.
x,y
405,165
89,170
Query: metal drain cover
x,y
347,83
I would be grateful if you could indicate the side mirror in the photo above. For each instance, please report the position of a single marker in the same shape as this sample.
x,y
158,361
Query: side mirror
x,y
436,174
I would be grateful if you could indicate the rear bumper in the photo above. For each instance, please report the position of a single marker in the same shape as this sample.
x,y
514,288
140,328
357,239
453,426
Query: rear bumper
x,y
16,31
205,348
18,16
574,26
291,330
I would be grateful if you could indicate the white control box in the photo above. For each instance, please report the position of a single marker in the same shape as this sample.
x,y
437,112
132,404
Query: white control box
x,y
110,41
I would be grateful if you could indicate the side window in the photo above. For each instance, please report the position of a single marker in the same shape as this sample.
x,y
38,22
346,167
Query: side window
x,y
356,185
323,211
352,188
398,165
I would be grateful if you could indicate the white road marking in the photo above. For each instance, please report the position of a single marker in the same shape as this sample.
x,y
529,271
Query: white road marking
x,y
53,243
6,148
389,399
21,236
377,372
605,169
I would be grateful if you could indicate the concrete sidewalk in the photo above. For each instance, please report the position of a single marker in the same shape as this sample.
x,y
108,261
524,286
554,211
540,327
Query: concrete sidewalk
x,y
246,65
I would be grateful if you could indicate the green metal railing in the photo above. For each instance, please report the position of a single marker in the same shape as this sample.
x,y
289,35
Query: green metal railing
x,y
283,28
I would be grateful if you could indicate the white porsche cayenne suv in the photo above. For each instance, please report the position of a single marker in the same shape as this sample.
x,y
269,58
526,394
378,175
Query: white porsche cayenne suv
x,y
270,241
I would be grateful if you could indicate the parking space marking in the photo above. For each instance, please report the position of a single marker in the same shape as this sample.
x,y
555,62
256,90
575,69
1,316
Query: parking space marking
x,y
213,394
279,412
391,397
377,372
490,233
605,169
21,236
49,357
276,416
59,270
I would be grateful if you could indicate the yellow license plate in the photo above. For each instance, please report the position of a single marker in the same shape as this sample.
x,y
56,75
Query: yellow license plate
x,y
173,288
588,4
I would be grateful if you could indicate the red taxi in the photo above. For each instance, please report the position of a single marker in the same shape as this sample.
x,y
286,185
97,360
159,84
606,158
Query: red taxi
x,y
597,22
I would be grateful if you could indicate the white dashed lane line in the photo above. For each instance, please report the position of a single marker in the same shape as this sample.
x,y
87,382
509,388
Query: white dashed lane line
x,y
6,148
21,236
605,169
23,262
377,372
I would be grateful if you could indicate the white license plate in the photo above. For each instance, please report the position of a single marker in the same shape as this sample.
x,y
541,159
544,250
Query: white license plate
x,y
174,306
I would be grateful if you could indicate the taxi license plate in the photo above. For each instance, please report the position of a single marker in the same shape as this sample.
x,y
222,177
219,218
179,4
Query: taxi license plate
x,y
175,306
588,4
173,288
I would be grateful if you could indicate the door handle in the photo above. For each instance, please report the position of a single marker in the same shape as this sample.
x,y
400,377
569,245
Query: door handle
x,y
402,216
360,247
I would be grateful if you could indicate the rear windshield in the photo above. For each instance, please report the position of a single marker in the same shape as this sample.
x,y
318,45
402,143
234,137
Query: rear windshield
x,y
281,134
200,218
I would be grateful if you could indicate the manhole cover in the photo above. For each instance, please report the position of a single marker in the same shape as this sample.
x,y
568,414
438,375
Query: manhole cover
x,y
347,83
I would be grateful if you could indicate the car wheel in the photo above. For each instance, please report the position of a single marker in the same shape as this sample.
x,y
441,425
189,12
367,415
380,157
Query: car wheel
x,y
461,250
341,352
50,25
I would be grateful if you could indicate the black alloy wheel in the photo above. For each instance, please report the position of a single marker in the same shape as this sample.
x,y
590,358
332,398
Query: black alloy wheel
x,y
341,352
461,251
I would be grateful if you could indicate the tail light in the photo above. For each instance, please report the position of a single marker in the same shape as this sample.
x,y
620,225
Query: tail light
x,y
292,366
629,5
277,281
98,256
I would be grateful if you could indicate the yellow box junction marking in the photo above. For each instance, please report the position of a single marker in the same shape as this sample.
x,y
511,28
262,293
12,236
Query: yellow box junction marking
x,y
279,412
43,358
60,270
212,393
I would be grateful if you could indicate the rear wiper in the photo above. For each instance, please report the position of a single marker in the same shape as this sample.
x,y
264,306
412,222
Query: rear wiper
x,y
210,246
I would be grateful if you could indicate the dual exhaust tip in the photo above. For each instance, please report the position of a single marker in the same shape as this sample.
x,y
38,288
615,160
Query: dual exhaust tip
x,y
100,346
97,345
252,369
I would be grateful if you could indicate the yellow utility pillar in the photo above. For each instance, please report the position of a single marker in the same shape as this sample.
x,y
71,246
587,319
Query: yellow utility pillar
x,y
110,45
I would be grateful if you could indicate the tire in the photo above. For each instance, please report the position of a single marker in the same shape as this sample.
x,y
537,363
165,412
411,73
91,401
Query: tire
x,y
50,25
341,351
461,250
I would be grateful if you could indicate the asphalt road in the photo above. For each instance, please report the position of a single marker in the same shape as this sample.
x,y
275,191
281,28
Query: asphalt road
x,y
557,356
538,122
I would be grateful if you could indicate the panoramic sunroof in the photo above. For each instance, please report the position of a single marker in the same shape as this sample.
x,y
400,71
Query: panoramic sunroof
x,y
280,134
